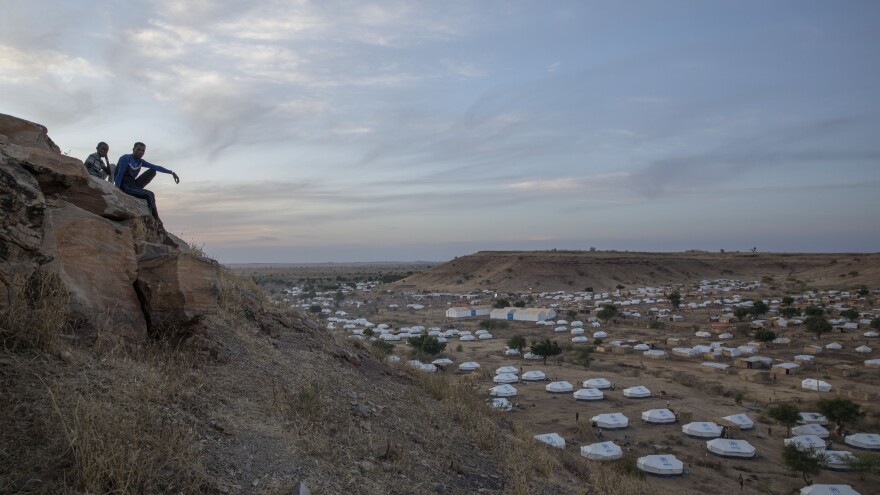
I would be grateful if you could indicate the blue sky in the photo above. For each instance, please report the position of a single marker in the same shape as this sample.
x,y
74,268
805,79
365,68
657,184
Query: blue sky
x,y
366,131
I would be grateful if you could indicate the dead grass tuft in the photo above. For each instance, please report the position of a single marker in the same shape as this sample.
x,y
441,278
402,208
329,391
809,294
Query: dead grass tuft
x,y
38,314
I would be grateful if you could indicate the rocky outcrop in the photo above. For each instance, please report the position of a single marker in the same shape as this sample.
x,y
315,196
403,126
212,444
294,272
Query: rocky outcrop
x,y
124,279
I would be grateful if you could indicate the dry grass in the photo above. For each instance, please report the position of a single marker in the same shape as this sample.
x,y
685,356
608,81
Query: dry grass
x,y
39,313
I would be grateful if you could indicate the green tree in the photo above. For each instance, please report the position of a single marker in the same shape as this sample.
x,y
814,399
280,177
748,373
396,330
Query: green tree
x,y
741,312
427,344
864,463
759,308
785,414
863,291
545,349
764,335
315,308
339,296
875,323
517,342
382,347
572,314
850,313
607,312
789,312
583,356
368,332
817,325
806,462
502,303
519,304
840,411
814,311
674,299
788,300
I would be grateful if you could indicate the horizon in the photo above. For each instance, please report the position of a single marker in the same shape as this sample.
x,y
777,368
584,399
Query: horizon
x,y
327,132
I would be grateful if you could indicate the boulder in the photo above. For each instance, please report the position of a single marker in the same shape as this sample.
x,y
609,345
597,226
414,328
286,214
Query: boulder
x,y
95,259
124,279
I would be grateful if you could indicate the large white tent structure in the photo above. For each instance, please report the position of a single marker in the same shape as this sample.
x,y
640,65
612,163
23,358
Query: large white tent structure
x,y
605,451
661,465
658,416
817,385
805,442
724,447
836,460
503,391
637,392
701,429
588,394
506,369
533,376
611,421
560,387
505,378
600,383
865,441
741,420
551,439
810,429
817,489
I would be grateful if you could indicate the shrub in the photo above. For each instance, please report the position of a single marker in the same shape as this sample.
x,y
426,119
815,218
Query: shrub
x,y
517,342
427,344
764,335
546,348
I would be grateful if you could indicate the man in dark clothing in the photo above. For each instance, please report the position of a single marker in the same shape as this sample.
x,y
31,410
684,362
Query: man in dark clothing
x,y
98,165
127,169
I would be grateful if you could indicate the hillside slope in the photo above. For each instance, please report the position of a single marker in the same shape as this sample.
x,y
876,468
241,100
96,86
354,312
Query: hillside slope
x,y
575,270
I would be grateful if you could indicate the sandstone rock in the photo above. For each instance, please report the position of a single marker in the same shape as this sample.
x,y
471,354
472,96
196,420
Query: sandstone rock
x,y
24,133
96,260
176,289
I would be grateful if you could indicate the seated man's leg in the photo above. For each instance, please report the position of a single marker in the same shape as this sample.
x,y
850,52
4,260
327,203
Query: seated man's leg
x,y
144,179
112,175
144,194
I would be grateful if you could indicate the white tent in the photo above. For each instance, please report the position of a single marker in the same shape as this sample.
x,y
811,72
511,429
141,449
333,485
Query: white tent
x,y
817,385
533,376
741,420
605,451
430,368
658,416
600,335
468,366
551,439
866,441
485,336
810,429
506,369
661,465
511,352
731,448
641,347
871,334
580,339
702,429
804,442
589,394
654,353
503,391
812,417
502,404
600,383
828,490
637,392
559,387
836,460
834,346
863,349
506,378
611,421
442,362
704,334
532,356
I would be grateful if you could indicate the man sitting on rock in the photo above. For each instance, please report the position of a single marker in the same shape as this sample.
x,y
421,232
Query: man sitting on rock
x,y
127,169
99,165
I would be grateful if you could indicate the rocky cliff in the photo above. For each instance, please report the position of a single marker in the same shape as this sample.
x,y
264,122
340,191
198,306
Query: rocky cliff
x,y
121,276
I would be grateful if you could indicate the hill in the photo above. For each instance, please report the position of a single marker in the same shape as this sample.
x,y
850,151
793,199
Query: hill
x,y
514,271
132,363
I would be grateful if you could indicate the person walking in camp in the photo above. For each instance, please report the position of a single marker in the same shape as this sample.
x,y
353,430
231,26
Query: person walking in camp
x,y
127,169
98,165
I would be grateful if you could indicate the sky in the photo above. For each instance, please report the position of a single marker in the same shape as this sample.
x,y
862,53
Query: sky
x,y
335,131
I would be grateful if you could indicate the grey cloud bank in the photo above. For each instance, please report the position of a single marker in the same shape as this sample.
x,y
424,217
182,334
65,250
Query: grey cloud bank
x,y
324,131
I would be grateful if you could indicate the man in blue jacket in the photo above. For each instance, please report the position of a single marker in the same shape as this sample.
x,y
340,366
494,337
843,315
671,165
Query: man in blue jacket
x,y
127,169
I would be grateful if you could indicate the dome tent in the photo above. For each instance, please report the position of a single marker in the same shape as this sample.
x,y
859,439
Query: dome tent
x,y
611,421
817,489
533,376
661,465
559,387
837,460
503,391
864,441
589,394
658,416
637,392
723,447
741,420
551,439
600,383
505,378
605,451
817,385
810,429
805,442
702,429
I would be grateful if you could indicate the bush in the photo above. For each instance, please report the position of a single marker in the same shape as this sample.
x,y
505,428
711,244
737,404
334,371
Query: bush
x,y
546,348
502,303
764,335
517,342
493,324
427,344
382,347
